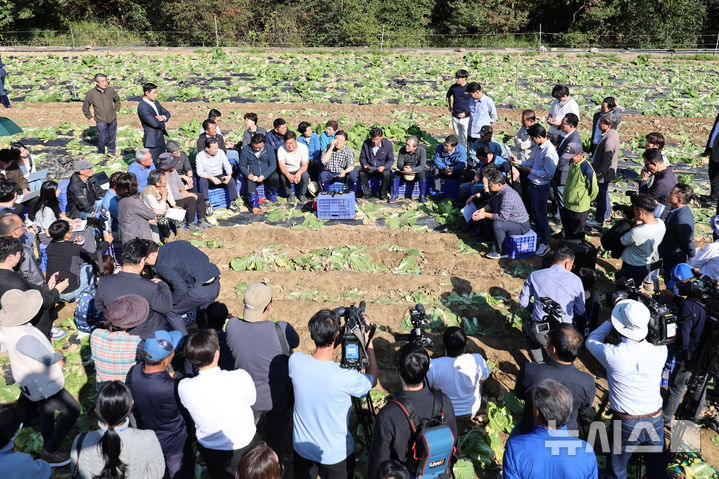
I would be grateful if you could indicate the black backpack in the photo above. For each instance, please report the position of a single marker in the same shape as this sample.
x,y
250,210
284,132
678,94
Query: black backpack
x,y
432,441
611,239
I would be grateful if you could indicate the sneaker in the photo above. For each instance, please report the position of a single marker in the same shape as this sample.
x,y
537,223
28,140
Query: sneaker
x,y
233,207
594,224
495,255
292,199
57,333
542,249
204,222
55,459
195,228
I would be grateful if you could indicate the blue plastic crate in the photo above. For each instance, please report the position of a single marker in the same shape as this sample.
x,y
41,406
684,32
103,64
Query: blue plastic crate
x,y
62,199
403,189
242,188
337,187
521,246
218,198
450,187
336,207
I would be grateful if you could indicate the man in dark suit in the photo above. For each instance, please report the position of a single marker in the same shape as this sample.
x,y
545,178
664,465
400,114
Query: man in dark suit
x,y
678,243
153,118
129,281
712,151
569,128
194,281
563,344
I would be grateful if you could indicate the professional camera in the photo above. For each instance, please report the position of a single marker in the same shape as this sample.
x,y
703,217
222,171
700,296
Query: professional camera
x,y
662,322
704,290
418,316
552,315
354,348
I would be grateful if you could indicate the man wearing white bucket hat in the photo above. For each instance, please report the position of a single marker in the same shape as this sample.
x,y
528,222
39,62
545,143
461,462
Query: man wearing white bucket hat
x,y
634,369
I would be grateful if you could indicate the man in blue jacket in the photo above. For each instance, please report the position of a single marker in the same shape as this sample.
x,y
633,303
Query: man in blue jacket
x,y
678,243
450,160
153,118
258,165
376,159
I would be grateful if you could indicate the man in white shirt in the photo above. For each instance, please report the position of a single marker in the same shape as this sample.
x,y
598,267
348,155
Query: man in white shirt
x,y
220,403
634,370
460,376
210,164
561,105
293,161
642,242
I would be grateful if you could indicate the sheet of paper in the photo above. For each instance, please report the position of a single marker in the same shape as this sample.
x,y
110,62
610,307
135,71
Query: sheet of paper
x,y
177,214
468,210
83,225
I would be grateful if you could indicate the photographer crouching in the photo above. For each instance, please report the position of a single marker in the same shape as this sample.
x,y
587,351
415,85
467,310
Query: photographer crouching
x,y
324,390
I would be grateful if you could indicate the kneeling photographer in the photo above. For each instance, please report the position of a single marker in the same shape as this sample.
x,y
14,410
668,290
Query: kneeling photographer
x,y
691,318
641,243
558,298
324,390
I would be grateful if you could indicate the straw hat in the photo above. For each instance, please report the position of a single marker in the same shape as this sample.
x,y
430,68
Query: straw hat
x,y
19,307
313,188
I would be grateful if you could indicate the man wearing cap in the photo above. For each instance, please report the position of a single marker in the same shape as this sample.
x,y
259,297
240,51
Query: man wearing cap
x,y
579,190
184,167
193,279
37,369
678,243
261,347
84,195
692,318
484,141
411,165
707,258
458,105
183,198
141,167
128,281
569,128
157,407
114,348
634,369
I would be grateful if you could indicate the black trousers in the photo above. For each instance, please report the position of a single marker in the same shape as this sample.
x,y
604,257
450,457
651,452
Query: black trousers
x,y
192,206
714,179
306,469
52,433
222,464
384,176
272,182
274,428
573,223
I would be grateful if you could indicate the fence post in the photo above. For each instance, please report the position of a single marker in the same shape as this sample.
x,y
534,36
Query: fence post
x,y
516,86
716,45
381,44
72,72
540,38
217,36
72,36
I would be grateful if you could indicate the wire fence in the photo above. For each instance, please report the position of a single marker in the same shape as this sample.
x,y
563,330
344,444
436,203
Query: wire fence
x,y
384,38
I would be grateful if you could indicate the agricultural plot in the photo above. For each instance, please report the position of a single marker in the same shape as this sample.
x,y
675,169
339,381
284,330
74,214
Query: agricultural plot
x,y
391,256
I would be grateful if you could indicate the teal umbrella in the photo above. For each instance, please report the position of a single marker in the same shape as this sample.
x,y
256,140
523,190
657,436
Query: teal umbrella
x,y
8,127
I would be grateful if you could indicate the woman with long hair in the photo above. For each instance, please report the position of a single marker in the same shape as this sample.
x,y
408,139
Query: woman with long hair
x,y
47,210
25,162
116,450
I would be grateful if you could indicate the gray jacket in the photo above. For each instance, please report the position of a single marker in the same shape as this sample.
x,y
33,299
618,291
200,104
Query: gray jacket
x,y
605,158
29,268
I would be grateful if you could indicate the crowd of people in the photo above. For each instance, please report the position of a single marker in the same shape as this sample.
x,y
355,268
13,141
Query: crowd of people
x,y
174,373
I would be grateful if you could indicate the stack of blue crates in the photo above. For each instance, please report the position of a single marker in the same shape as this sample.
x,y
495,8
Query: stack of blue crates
x,y
521,246
450,187
336,206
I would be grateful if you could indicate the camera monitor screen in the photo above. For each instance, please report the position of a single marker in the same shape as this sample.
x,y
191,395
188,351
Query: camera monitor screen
x,y
352,351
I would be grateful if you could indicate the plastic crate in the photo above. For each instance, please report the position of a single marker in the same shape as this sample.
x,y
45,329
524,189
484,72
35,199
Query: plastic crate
x,y
337,187
403,189
62,199
242,187
521,246
450,187
336,206
218,198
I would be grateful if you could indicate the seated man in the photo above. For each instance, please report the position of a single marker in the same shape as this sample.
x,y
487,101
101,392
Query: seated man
x,y
193,279
412,165
559,284
141,167
326,137
11,225
210,165
376,160
293,161
450,160
485,141
275,138
210,130
503,214
10,171
460,376
258,164
549,450
84,196
183,167
339,163
314,151
129,281
183,198
476,187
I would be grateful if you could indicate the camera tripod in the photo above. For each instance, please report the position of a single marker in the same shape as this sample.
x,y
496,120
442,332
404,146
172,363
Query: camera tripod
x,y
365,417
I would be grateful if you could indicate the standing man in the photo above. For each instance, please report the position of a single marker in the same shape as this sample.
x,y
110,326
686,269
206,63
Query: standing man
x,y
481,109
3,94
579,191
569,128
712,151
293,162
322,441
678,243
663,175
561,105
605,161
192,278
153,118
106,104
376,159
642,241
458,105
634,372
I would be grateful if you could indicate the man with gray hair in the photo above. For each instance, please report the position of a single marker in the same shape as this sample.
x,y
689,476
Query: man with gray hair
x,y
411,165
549,450
105,104
183,166
142,167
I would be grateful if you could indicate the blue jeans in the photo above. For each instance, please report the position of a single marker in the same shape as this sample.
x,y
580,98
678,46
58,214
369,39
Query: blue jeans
x,y
603,206
539,196
97,206
651,433
106,133
85,280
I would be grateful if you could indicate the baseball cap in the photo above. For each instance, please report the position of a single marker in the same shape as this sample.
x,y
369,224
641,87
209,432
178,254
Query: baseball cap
x,y
161,344
83,165
680,272
257,297
486,130
572,150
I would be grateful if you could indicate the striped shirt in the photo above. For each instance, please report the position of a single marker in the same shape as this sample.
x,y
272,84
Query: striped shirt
x,y
340,160
114,353
507,205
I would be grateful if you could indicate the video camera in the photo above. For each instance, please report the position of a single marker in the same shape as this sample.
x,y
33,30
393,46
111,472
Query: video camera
x,y
354,348
704,290
552,315
418,316
662,322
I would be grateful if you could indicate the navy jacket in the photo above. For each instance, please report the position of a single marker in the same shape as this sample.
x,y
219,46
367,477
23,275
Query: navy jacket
x,y
183,267
383,157
595,120
274,140
664,181
679,238
154,130
713,150
560,174
265,165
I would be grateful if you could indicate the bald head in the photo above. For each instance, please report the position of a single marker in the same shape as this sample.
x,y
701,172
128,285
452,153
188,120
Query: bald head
x,y
11,225
565,342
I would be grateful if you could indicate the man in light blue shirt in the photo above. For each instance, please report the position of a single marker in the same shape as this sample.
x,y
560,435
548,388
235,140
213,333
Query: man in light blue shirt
x,y
482,111
541,170
560,285
549,450
142,167
634,371
323,390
